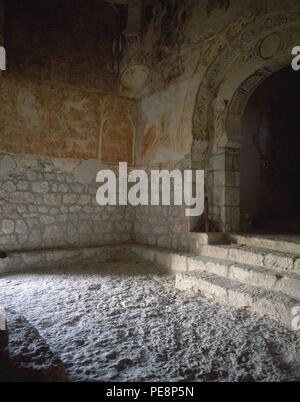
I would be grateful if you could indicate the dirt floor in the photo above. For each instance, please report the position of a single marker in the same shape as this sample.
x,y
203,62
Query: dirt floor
x,y
127,322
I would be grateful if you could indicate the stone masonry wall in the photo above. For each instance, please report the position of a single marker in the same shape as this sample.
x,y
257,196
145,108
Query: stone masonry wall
x,y
161,226
50,203
164,226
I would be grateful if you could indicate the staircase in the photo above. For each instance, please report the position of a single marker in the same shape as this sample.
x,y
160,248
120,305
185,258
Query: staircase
x,y
256,272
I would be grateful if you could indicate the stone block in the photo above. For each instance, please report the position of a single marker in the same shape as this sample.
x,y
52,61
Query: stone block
x,y
40,187
54,232
70,199
280,262
9,186
52,199
21,227
7,226
22,197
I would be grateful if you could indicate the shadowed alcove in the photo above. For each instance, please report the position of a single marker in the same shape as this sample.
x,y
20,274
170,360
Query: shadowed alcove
x,y
270,156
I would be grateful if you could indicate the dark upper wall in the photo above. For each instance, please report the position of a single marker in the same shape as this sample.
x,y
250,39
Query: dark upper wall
x,y
1,22
69,41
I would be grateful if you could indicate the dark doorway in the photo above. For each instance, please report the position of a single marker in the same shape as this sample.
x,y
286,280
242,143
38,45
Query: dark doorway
x,y
270,155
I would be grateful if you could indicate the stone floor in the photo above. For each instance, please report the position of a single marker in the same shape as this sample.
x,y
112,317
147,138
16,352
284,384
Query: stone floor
x,y
127,322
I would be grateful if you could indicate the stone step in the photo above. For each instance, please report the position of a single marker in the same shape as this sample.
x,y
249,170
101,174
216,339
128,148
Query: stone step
x,y
19,261
281,243
170,260
255,256
264,291
287,283
226,291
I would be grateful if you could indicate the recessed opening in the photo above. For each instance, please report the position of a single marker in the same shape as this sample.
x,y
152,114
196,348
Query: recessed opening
x,y
270,155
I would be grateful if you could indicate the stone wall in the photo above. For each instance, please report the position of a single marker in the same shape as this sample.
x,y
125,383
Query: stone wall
x,y
204,58
161,226
49,203
65,98
164,226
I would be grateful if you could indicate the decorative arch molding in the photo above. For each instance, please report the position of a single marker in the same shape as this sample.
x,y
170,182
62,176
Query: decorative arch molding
x,y
246,43
238,70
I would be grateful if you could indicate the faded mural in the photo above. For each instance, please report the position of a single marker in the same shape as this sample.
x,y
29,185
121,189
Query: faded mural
x,y
180,46
40,119
117,129
60,93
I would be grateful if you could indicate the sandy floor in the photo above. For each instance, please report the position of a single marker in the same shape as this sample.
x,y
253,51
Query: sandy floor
x,y
126,322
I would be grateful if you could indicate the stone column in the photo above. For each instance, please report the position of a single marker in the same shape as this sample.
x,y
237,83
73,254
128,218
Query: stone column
x,y
232,190
224,189
215,187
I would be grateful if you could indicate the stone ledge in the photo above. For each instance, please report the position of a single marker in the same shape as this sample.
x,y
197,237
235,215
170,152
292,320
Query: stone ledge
x,y
17,261
41,259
